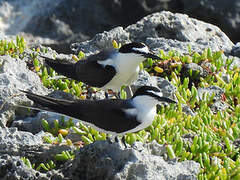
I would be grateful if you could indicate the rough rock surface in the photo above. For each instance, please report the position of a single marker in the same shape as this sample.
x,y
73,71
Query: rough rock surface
x,y
12,167
15,75
164,85
15,144
102,160
22,143
165,31
111,161
236,50
49,21
101,41
235,63
218,100
224,14
197,71
181,28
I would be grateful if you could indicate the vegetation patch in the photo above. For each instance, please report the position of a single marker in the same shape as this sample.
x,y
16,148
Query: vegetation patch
x,y
210,138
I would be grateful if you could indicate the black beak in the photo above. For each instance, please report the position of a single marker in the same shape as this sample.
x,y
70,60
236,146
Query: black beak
x,y
152,56
165,99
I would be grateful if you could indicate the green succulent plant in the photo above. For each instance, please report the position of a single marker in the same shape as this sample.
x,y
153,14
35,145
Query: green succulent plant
x,y
207,137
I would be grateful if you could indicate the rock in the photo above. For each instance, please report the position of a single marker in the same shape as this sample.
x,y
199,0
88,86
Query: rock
x,y
225,77
101,41
73,136
15,75
12,167
224,14
211,90
14,142
165,85
25,144
181,47
218,100
65,21
181,28
166,31
187,110
101,160
62,95
235,63
98,95
236,143
196,69
57,22
21,143
188,138
194,72
61,22
219,106
144,79
144,163
124,14
16,14
236,50
34,124
86,17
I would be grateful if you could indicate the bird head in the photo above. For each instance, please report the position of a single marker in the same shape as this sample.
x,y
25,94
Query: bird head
x,y
139,50
150,95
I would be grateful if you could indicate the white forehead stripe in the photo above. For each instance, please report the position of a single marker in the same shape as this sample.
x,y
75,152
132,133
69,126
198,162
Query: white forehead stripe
x,y
160,94
143,50
106,62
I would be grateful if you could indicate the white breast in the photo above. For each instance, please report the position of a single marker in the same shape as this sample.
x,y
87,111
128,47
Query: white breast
x,y
127,67
145,110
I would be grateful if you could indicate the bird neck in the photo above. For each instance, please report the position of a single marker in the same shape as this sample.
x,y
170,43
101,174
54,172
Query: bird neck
x,y
146,108
127,61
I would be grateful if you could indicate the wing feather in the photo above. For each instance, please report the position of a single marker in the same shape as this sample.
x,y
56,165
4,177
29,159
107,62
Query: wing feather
x,y
109,115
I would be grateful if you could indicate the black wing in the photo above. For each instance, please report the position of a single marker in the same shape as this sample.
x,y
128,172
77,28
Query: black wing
x,y
104,114
62,67
94,74
87,71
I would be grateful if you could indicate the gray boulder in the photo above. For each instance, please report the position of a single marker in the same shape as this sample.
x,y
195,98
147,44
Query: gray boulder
x,y
102,160
15,75
14,142
236,50
12,167
165,31
218,101
144,79
224,14
101,41
25,144
178,31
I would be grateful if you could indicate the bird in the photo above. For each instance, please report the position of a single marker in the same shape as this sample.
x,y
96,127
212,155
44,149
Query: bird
x,y
108,69
112,116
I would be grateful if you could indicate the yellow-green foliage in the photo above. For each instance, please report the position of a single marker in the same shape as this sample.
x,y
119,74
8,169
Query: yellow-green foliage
x,y
211,134
11,48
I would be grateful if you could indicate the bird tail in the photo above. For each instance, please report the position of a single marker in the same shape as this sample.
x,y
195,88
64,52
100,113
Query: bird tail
x,y
51,103
65,68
